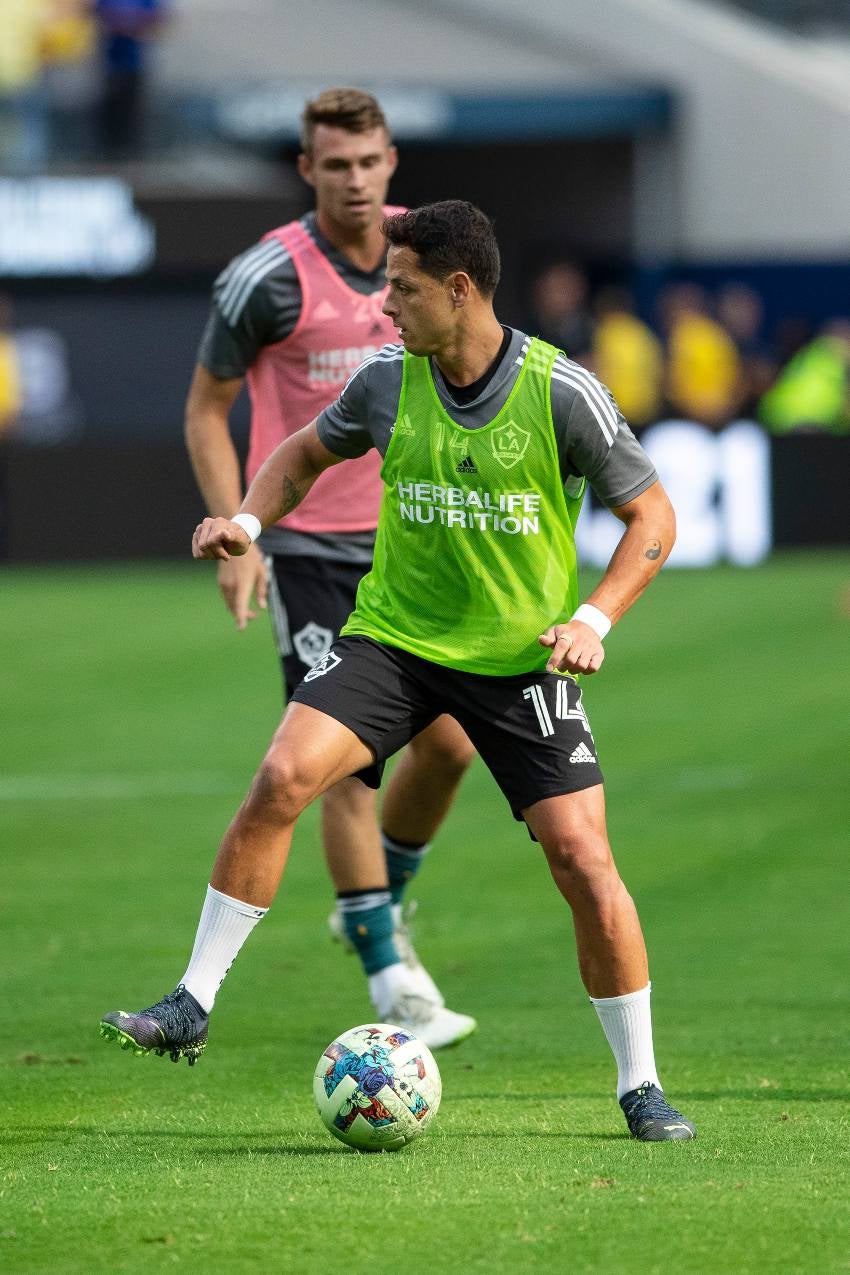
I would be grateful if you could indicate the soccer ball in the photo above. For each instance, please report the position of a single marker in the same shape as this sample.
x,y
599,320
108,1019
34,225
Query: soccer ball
x,y
377,1087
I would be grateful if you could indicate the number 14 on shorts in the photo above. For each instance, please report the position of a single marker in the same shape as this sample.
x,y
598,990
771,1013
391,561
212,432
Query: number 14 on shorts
x,y
564,711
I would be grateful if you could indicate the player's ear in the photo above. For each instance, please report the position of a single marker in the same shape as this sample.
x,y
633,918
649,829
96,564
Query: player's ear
x,y
460,286
305,168
392,159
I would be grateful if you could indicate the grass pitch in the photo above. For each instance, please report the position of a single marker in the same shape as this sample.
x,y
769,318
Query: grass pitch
x,y
132,719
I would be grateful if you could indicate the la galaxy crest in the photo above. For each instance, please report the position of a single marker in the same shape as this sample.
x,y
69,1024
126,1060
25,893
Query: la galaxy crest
x,y
509,443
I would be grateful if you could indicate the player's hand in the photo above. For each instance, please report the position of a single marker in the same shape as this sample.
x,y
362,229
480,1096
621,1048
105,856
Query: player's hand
x,y
576,648
240,579
220,538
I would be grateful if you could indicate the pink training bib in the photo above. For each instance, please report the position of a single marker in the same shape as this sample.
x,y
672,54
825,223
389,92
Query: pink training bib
x,y
290,382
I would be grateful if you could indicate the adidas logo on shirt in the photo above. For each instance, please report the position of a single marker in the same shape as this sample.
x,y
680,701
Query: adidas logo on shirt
x,y
324,312
466,466
581,753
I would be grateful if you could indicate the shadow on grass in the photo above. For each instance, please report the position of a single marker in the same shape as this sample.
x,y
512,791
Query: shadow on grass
x,y
241,1144
279,1149
28,1134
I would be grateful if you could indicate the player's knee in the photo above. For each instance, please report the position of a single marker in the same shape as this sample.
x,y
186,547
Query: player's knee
x,y
582,863
281,788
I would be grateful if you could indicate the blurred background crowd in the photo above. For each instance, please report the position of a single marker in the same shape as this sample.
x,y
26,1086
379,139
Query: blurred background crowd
x,y
73,76
701,356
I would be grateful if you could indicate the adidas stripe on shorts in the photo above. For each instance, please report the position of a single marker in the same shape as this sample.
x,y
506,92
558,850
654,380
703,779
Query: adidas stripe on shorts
x,y
531,729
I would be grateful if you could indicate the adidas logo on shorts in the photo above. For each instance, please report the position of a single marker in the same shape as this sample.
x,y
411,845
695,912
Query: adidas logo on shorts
x,y
581,753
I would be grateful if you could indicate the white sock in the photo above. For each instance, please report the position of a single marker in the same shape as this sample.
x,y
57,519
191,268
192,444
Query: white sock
x,y
224,926
627,1024
385,985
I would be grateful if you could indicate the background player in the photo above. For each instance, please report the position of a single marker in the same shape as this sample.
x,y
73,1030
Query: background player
x,y
487,437
294,316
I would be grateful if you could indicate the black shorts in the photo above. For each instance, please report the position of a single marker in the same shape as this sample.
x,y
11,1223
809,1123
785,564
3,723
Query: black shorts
x,y
530,729
310,600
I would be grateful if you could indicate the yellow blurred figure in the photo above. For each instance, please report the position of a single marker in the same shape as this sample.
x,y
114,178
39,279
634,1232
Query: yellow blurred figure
x,y
704,373
68,32
21,31
23,119
10,382
628,358
33,35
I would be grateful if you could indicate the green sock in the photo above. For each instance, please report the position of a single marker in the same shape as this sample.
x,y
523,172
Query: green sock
x,y
368,923
403,862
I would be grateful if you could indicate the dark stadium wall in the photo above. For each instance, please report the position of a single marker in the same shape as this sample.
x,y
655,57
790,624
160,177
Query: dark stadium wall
x,y
809,481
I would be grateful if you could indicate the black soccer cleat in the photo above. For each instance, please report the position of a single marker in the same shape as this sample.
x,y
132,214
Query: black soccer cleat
x,y
651,1118
176,1025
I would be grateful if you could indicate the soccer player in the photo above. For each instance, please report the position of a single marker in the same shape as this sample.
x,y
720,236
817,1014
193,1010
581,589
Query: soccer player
x,y
294,316
471,607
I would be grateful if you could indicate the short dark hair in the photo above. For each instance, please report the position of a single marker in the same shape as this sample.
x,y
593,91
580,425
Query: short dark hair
x,y
351,109
447,236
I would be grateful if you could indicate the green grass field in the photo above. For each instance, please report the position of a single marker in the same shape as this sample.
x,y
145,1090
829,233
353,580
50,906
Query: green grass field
x,y
132,719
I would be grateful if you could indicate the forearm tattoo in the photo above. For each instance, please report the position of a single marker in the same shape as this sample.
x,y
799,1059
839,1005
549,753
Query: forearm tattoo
x,y
652,550
291,495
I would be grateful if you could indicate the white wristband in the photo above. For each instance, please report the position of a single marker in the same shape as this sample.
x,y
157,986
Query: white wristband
x,y
249,524
594,618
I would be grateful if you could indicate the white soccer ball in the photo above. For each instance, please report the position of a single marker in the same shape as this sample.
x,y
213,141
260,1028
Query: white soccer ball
x,y
377,1087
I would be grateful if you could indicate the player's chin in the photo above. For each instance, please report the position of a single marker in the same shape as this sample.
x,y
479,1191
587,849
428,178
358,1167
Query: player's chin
x,y
360,214
410,343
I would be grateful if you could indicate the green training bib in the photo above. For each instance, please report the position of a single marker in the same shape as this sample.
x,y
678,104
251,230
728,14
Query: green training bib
x,y
475,550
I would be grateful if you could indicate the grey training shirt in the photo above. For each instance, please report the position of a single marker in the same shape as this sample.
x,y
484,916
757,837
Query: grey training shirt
x,y
592,437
